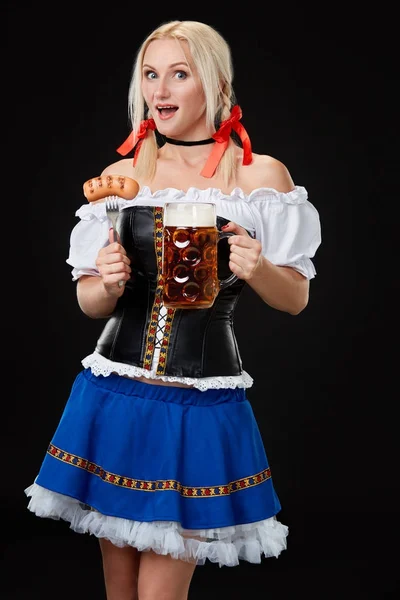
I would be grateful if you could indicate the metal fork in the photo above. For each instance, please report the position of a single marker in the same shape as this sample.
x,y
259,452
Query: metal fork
x,y
112,211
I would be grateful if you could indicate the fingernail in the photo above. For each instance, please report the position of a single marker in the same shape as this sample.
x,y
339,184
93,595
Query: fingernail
x,y
224,226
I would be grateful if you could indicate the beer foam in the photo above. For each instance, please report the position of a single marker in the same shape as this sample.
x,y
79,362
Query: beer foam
x,y
189,214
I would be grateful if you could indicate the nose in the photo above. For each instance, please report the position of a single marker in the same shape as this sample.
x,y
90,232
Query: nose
x,y
162,91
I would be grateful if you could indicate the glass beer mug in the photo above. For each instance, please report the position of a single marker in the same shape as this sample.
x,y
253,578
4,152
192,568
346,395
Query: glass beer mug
x,y
190,255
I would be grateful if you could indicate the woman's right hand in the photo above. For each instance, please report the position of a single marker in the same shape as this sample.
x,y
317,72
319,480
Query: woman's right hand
x,y
114,266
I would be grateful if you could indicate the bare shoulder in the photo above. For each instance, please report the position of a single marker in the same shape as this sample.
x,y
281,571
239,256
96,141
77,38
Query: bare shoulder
x,y
121,167
267,171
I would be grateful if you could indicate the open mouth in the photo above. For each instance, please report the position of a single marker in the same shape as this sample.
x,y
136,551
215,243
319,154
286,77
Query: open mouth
x,y
167,111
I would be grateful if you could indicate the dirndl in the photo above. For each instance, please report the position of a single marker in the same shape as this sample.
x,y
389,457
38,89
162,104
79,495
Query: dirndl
x,y
175,470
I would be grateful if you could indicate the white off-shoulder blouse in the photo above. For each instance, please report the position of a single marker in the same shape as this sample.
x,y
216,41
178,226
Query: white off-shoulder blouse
x,y
286,223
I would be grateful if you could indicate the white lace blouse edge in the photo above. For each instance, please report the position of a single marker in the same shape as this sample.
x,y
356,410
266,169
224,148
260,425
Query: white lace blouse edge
x,y
99,365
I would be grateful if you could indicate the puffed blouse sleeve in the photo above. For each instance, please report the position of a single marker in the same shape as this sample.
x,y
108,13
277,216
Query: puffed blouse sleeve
x,y
288,226
88,236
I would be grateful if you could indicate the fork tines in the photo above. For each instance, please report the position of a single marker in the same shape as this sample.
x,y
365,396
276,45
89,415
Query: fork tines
x,y
112,203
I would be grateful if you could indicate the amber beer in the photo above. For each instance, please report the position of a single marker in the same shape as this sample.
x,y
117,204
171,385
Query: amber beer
x,y
190,255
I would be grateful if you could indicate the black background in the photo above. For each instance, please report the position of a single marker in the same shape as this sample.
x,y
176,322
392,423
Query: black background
x,y
317,88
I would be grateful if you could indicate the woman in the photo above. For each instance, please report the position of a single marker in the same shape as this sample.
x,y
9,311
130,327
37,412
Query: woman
x,y
158,453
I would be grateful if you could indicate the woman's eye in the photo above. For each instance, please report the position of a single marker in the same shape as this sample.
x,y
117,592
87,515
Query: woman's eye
x,y
153,75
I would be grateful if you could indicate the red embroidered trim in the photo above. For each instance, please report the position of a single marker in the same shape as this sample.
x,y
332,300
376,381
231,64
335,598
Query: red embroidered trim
x,y
151,333
159,485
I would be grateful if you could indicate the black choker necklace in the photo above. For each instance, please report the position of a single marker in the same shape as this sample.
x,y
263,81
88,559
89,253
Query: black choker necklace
x,y
183,143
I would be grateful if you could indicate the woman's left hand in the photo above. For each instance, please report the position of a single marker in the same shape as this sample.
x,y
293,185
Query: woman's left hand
x,y
245,254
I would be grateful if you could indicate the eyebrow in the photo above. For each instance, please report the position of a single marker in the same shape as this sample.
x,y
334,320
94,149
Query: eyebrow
x,y
170,66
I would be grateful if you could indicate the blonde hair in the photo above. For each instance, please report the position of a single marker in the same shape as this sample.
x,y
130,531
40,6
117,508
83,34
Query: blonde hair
x,y
212,58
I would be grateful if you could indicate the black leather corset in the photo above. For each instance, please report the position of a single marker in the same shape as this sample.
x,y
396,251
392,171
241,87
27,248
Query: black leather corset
x,y
196,343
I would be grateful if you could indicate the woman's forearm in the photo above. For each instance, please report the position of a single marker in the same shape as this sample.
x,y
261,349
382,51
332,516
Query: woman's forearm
x,y
282,288
93,298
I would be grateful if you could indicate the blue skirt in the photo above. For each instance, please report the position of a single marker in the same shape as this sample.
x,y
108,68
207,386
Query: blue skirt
x,y
151,453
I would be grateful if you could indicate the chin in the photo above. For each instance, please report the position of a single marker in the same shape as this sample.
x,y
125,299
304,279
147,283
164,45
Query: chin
x,y
168,128
168,131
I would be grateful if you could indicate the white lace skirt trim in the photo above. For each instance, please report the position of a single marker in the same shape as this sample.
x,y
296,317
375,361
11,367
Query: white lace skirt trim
x,y
225,545
100,365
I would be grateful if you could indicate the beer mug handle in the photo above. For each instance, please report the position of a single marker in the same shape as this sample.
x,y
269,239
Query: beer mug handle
x,y
223,283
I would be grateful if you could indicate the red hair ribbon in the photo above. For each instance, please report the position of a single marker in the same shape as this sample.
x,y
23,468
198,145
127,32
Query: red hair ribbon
x,y
137,138
222,138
